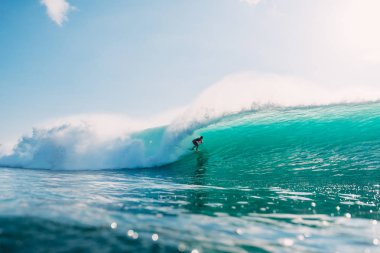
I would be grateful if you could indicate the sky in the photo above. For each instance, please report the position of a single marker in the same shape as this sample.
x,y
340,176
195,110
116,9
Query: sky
x,y
60,58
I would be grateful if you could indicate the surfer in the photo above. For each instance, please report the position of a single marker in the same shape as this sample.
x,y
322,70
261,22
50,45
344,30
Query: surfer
x,y
196,142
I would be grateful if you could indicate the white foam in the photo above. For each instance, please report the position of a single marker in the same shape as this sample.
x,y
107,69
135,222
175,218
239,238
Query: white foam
x,y
252,91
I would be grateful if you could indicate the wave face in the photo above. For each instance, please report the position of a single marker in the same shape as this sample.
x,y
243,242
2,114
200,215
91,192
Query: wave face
x,y
328,141
247,117
323,137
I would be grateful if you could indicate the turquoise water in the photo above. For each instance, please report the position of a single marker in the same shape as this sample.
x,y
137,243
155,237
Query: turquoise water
x,y
274,180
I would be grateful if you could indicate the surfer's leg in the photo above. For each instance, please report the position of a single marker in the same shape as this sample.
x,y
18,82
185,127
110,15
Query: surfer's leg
x,y
195,145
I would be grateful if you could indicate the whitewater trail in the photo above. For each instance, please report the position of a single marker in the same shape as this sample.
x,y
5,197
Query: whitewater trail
x,y
112,143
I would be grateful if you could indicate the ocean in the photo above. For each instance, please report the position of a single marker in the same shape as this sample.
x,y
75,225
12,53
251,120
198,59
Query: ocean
x,y
273,179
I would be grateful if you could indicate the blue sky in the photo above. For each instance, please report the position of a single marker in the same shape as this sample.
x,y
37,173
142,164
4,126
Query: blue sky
x,y
139,58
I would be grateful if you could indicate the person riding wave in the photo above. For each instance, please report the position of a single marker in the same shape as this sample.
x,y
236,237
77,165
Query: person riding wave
x,y
196,142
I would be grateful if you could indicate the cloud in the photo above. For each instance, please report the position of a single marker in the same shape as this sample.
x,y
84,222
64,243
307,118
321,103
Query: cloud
x,y
251,2
57,10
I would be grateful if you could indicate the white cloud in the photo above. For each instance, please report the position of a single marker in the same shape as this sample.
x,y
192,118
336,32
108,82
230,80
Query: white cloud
x,y
57,10
251,2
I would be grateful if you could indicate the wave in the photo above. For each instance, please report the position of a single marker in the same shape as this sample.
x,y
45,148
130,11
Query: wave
x,y
110,143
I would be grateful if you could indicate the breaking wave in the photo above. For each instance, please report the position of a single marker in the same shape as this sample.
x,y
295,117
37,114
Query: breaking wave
x,y
103,142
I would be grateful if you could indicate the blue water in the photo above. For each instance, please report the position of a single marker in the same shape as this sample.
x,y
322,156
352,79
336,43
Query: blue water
x,y
272,180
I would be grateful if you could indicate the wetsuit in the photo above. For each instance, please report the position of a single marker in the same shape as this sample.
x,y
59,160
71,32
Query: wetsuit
x,y
195,141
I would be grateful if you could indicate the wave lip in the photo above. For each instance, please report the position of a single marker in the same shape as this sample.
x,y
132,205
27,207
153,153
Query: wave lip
x,y
252,91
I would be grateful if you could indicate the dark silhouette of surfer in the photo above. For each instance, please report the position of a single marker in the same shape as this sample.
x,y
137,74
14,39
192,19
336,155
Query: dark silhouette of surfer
x,y
196,143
